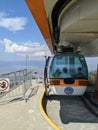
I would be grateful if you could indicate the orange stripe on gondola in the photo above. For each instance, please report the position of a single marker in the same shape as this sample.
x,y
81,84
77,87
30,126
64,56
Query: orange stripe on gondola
x,y
60,82
38,11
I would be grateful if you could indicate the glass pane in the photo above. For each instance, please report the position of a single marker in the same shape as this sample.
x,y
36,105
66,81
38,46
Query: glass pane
x,y
72,63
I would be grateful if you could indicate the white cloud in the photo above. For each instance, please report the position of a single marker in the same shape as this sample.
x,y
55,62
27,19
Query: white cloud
x,y
13,47
12,23
30,48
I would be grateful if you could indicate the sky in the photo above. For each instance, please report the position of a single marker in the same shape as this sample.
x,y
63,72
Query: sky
x,y
20,38
19,35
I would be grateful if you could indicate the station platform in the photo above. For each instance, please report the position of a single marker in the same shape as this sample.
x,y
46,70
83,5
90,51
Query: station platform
x,y
24,115
89,99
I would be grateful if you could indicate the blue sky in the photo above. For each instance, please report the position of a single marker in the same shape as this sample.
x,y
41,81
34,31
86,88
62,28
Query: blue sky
x,y
19,34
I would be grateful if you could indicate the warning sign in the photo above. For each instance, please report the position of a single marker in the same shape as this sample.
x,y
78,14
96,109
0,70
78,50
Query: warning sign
x,y
4,84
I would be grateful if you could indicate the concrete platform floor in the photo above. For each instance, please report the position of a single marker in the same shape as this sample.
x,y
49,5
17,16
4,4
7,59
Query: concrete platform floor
x,y
70,113
22,115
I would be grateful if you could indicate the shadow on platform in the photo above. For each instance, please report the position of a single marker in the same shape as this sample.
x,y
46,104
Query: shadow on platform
x,y
74,110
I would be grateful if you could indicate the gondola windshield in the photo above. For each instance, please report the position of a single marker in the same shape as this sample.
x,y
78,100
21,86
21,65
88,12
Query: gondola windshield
x,y
68,66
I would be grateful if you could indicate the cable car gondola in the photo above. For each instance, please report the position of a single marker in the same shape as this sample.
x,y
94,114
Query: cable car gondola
x,y
66,74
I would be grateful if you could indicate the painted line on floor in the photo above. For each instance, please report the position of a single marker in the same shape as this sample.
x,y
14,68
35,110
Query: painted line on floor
x,y
52,124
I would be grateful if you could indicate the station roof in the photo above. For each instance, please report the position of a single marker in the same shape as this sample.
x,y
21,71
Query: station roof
x,y
72,23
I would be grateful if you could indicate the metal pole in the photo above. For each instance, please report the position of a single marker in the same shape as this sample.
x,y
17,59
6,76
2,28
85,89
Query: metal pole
x,y
26,61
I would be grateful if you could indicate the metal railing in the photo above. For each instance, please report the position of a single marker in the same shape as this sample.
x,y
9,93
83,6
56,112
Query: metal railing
x,y
20,81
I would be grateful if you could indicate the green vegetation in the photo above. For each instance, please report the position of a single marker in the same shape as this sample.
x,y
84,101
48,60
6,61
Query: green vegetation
x,y
92,76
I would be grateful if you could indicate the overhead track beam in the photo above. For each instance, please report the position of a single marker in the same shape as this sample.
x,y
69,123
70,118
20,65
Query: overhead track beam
x,y
55,18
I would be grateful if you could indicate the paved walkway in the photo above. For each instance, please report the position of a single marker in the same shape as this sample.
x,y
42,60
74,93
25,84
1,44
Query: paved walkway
x,y
22,115
70,113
